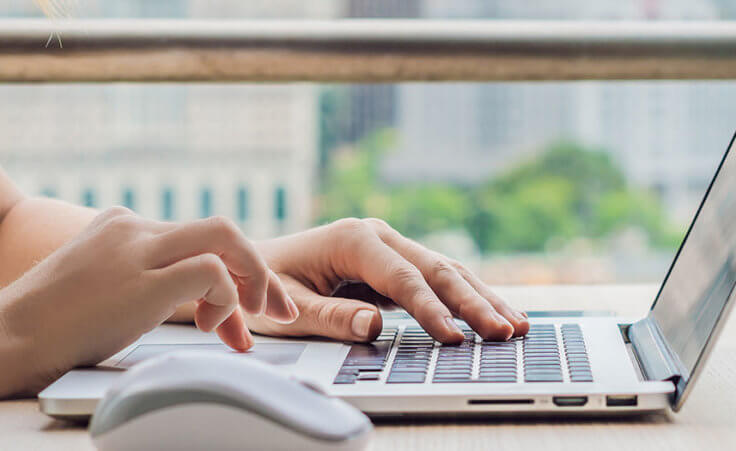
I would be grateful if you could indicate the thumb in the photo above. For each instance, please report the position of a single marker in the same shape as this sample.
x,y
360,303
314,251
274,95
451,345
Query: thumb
x,y
341,318
330,317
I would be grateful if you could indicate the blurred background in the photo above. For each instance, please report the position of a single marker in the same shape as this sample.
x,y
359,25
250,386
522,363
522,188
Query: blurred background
x,y
527,182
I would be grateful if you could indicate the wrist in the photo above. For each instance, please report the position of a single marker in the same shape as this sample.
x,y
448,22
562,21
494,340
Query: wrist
x,y
23,372
14,361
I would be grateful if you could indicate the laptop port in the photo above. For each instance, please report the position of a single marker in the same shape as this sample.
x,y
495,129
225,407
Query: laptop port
x,y
499,401
622,401
570,401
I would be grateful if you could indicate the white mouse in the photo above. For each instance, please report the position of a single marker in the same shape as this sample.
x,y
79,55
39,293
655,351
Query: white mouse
x,y
194,400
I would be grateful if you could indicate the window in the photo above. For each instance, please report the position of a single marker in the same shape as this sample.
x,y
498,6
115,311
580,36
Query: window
x,y
205,207
49,191
129,198
242,204
280,204
531,181
88,198
167,204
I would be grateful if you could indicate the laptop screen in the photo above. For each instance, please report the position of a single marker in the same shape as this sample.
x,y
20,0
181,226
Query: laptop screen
x,y
701,279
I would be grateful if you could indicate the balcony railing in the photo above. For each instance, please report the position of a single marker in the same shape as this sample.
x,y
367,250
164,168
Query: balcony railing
x,y
363,50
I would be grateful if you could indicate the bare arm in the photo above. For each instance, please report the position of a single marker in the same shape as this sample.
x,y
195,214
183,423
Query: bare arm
x,y
32,228
79,286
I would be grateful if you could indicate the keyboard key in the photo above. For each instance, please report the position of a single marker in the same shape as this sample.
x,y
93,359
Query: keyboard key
x,y
368,376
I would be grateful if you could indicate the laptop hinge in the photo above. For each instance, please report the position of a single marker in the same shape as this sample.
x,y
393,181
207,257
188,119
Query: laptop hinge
x,y
655,357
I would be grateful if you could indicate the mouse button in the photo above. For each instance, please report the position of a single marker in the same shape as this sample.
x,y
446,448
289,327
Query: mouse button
x,y
142,400
299,406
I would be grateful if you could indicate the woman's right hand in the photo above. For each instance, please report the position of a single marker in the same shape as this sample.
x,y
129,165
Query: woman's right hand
x,y
121,277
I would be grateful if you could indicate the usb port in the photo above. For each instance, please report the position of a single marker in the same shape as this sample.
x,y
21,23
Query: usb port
x,y
622,400
570,401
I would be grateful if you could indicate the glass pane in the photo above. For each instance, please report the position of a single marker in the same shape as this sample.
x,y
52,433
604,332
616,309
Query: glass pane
x,y
528,182
435,9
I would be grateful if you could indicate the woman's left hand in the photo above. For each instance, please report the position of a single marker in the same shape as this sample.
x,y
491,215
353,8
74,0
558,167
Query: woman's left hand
x,y
430,286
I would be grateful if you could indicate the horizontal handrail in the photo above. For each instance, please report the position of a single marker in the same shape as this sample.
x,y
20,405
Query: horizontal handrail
x,y
362,50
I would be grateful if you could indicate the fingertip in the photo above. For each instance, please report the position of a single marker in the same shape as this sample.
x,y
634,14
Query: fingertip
x,y
499,329
202,324
234,332
245,297
280,306
452,333
506,330
366,325
247,341
521,328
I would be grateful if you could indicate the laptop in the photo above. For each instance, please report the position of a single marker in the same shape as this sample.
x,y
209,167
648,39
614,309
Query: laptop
x,y
567,364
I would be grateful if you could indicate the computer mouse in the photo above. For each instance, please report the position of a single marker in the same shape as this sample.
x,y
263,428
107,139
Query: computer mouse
x,y
195,400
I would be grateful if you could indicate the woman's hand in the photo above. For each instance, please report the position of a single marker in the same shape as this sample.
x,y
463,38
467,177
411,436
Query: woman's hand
x,y
430,286
121,277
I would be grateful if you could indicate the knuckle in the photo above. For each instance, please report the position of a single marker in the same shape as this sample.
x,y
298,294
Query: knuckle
x,y
351,226
121,223
408,281
117,210
352,233
460,268
224,225
405,274
378,224
441,270
326,315
211,265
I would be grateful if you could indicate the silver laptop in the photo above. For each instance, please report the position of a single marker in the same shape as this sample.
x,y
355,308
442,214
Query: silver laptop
x,y
566,364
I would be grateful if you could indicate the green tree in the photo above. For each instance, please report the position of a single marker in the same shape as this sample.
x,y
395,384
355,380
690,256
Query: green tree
x,y
565,192
353,187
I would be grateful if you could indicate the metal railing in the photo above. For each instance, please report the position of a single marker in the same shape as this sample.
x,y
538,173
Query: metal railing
x,y
363,50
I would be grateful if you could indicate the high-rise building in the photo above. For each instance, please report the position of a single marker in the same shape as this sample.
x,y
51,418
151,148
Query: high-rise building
x,y
372,106
666,135
171,151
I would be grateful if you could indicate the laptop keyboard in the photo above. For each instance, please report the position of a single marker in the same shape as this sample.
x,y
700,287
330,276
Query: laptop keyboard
x,y
548,353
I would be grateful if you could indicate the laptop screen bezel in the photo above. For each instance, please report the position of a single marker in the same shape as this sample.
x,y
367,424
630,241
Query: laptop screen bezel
x,y
686,382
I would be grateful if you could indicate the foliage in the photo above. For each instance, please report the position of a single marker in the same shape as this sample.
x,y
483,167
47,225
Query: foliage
x,y
564,192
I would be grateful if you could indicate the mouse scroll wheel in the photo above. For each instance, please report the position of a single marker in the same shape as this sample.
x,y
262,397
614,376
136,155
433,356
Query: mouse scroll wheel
x,y
314,386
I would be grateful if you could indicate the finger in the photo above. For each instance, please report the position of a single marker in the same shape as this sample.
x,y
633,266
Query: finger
x,y
202,277
108,214
371,260
218,236
518,319
331,317
283,310
456,292
234,333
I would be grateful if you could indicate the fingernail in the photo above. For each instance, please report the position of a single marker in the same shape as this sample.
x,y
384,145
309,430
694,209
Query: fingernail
x,y
361,324
503,321
452,325
293,313
293,309
247,343
521,316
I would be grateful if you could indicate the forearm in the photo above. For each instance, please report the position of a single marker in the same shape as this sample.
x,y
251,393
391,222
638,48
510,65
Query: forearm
x,y
32,229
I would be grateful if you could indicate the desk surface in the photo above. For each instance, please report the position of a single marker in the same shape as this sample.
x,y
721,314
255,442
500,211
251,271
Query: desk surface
x,y
708,420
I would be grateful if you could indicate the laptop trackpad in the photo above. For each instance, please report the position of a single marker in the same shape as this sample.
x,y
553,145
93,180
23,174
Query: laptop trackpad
x,y
273,353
